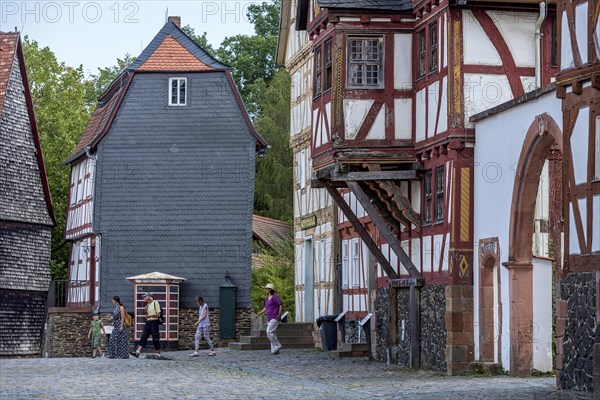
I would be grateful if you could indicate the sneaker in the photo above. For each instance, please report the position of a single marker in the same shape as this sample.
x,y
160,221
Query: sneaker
x,y
212,353
275,352
194,354
135,354
157,355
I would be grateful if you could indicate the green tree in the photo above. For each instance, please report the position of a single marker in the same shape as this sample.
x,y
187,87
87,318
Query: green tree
x,y
273,186
59,96
201,40
105,76
277,267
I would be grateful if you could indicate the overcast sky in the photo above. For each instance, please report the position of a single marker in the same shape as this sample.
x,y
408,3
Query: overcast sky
x,y
96,33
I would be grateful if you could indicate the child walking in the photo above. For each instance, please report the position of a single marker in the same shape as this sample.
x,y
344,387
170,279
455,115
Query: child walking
x,y
96,329
203,328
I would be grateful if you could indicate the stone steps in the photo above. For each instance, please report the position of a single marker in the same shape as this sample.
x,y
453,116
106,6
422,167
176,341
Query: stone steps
x,y
291,336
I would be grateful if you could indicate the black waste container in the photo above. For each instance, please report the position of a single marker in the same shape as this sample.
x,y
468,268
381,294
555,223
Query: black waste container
x,y
328,332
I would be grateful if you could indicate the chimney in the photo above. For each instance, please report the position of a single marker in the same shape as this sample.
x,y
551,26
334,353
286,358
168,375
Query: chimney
x,y
175,20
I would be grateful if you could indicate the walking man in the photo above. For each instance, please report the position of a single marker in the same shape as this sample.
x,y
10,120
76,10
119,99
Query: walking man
x,y
151,327
273,309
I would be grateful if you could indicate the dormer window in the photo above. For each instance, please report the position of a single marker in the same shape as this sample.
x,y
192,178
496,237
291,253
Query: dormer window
x,y
365,62
177,91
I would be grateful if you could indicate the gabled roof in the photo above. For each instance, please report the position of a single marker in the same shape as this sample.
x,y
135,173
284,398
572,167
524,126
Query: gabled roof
x,y
268,230
10,44
171,50
381,5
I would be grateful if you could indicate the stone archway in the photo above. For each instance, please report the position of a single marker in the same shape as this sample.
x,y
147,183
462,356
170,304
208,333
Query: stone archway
x,y
543,136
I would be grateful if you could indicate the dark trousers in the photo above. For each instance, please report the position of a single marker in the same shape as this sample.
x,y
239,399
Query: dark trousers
x,y
151,328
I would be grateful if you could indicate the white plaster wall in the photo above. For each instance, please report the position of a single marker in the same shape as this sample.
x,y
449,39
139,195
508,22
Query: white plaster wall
x,y
478,49
355,112
596,224
579,145
542,315
528,83
433,99
483,92
574,247
403,118
420,115
566,52
581,30
403,61
499,142
518,30
377,130
443,120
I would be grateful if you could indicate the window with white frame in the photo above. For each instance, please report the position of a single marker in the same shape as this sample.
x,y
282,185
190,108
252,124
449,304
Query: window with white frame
x,y
345,266
365,62
355,263
177,91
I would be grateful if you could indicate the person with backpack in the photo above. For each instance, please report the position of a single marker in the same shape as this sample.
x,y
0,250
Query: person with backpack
x,y
153,313
203,328
273,309
118,345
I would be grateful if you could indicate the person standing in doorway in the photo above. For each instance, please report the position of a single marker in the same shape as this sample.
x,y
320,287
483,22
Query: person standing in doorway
x,y
273,309
203,328
151,327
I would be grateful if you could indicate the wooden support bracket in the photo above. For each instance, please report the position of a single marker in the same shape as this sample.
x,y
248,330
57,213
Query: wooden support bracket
x,y
361,230
384,229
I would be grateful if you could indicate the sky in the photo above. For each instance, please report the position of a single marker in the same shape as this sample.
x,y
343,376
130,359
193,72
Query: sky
x,y
96,33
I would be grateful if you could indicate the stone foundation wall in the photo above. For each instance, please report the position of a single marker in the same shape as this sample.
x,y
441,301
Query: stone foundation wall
x,y
433,329
432,335
66,335
576,331
352,332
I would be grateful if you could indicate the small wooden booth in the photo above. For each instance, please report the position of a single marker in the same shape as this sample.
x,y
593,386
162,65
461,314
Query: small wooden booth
x,y
165,290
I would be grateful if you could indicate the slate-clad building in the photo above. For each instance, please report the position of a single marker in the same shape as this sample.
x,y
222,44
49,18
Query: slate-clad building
x,y
163,180
26,215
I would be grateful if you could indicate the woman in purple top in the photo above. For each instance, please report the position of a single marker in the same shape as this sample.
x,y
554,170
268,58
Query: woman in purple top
x,y
273,309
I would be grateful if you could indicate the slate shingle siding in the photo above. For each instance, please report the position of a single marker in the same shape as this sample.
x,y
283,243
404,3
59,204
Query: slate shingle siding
x,y
174,190
24,258
21,197
21,322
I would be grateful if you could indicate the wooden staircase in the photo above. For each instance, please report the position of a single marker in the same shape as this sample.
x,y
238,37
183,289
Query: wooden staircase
x,y
291,336
350,350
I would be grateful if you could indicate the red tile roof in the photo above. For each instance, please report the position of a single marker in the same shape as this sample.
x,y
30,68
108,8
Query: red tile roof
x,y
268,230
172,56
8,47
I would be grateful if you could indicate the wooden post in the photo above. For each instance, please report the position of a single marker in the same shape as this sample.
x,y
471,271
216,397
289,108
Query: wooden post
x,y
384,229
415,326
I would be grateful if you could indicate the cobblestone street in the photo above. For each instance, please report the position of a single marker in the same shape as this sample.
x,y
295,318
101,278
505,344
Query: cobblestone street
x,y
294,374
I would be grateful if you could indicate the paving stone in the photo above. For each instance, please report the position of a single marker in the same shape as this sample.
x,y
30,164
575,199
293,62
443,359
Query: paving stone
x,y
231,374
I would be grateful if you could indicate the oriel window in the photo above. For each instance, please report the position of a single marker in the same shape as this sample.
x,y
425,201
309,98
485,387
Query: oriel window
x,y
433,48
439,194
177,91
328,67
422,53
427,199
365,62
318,72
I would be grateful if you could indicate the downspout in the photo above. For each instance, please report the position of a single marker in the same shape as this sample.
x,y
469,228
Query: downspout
x,y
538,45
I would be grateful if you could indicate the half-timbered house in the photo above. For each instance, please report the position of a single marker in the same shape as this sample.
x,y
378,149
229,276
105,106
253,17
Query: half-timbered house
x,y
578,86
314,212
394,85
162,179
26,214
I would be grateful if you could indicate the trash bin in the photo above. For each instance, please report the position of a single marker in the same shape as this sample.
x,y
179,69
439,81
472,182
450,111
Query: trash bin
x,y
328,332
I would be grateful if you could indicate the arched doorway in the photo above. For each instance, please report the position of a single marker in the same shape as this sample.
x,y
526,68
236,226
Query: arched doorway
x,y
543,137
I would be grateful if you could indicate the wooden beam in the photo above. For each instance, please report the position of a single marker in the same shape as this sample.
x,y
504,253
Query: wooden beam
x,y
415,327
317,184
374,175
384,229
361,230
